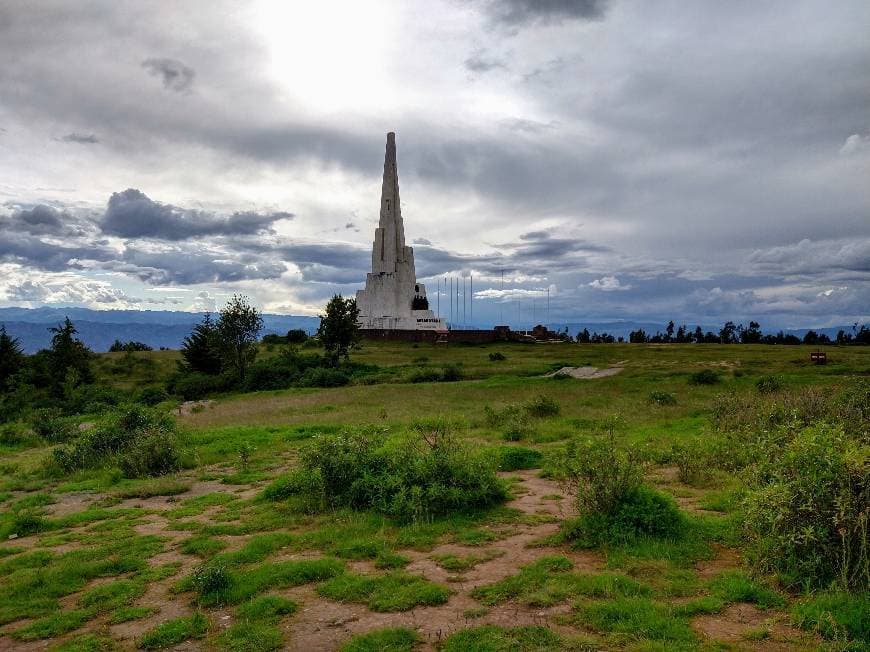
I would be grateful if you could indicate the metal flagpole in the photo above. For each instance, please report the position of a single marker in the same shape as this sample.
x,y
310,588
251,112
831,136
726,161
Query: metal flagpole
x,y
471,298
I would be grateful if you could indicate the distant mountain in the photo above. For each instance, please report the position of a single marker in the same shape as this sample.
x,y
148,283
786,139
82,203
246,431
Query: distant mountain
x,y
99,328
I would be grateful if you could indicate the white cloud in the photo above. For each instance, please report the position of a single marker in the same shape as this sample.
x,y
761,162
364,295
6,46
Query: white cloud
x,y
608,284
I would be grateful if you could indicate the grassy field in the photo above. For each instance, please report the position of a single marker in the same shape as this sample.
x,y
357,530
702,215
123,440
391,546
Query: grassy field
x,y
200,559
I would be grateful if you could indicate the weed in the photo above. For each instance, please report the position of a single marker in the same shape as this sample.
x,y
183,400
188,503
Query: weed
x,y
249,636
497,356
266,608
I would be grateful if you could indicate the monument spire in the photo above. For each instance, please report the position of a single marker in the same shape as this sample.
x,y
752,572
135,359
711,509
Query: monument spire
x,y
393,298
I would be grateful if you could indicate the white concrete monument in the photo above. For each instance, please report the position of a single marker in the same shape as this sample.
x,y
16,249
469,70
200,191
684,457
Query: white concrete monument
x,y
393,299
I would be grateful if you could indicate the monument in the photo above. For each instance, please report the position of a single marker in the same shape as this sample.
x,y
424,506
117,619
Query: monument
x,y
392,298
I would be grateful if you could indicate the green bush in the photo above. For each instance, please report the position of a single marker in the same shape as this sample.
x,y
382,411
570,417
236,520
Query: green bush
x,y
806,514
429,473
662,398
451,373
151,396
515,458
542,406
324,377
497,356
50,425
768,384
139,439
512,419
424,375
271,373
694,463
193,385
601,474
704,377
641,513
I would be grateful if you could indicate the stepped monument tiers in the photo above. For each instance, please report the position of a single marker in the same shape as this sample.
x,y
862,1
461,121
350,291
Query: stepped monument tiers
x,y
393,299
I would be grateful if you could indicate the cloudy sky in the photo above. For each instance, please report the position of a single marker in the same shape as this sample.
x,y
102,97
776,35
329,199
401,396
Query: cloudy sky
x,y
641,160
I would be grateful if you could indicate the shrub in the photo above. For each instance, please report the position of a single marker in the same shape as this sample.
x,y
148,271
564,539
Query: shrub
x,y
324,377
497,356
768,384
513,419
451,373
429,473
193,385
271,373
49,425
642,512
694,464
424,375
542,406
151,396
806,513
704,377
152,452
662,398
140,440
515,458
601,474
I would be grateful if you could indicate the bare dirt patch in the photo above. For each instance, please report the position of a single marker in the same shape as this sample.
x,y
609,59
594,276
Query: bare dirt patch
x,y
585,372
741,624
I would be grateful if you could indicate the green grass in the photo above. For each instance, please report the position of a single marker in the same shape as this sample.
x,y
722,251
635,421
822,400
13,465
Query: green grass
x,y
249,582
396,591
491,638
638,618
736,586
51,592
176,631
393,639
836,616
549,581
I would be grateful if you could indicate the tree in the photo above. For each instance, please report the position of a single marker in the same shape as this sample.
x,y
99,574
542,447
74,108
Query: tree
x,y
68,358
200,348
339,330
727,334
583,337
811,337
670,330
11,358
751,335
238,329
296,336
698,336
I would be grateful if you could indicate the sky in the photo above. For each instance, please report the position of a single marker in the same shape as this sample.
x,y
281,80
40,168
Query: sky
x,y
633,160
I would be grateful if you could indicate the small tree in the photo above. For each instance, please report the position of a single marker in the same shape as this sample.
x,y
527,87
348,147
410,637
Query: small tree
x,y
200,348
11,358
339,331
69,359
238,329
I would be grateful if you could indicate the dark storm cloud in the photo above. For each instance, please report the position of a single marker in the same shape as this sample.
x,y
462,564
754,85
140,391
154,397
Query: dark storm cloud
x,y
175,75
479,62
132,214
81,139
42,220
521,12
